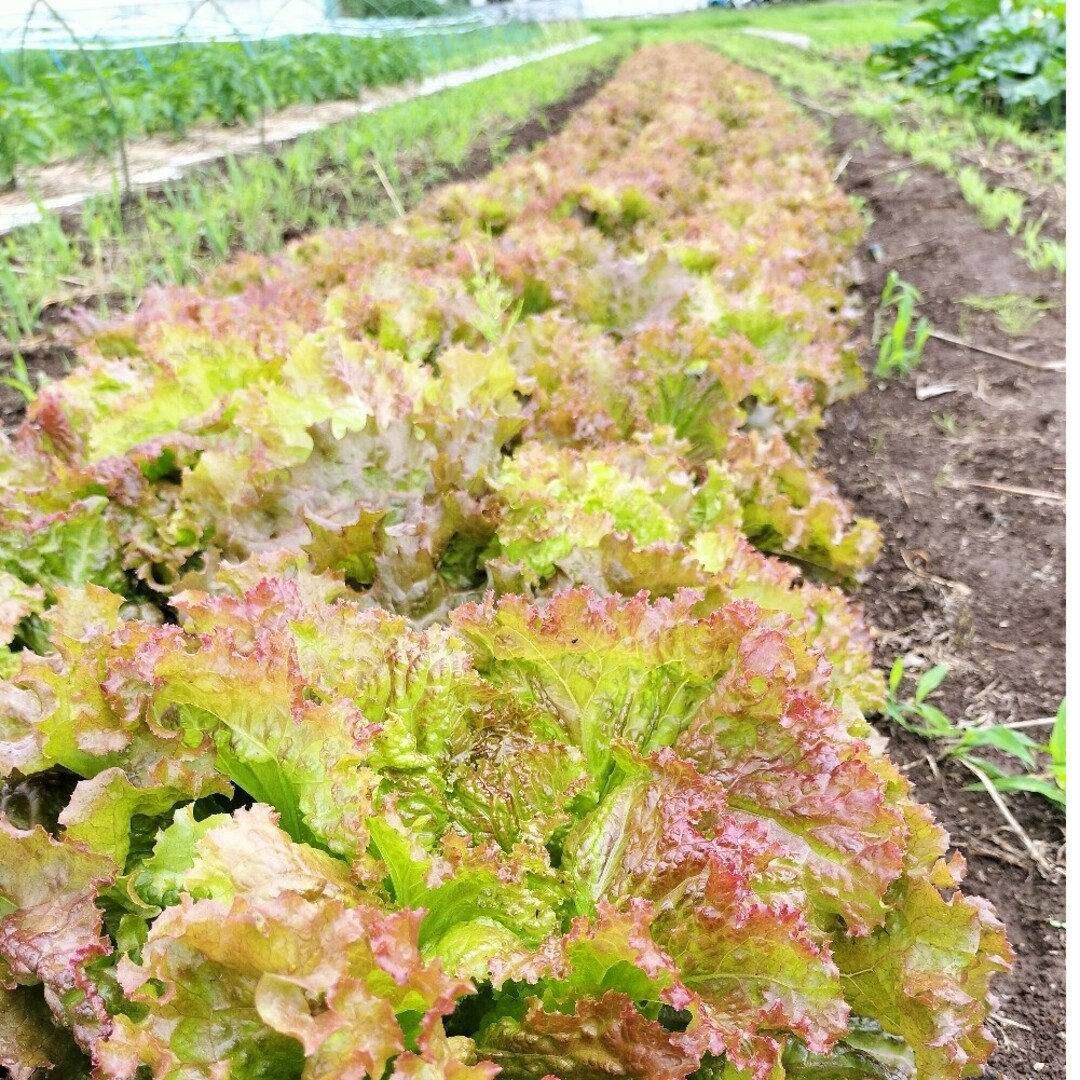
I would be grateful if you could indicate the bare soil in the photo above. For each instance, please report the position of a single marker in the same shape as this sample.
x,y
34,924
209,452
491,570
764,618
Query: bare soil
x,y
972,577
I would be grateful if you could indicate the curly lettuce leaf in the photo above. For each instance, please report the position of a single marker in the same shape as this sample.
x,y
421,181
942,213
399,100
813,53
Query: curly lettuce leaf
x,y
603,669
790,510
720,888
283,962
925,975
31,1042
51,930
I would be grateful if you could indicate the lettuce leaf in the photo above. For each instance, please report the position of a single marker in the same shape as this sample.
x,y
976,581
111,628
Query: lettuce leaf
x,y
720,889
284,965
51,933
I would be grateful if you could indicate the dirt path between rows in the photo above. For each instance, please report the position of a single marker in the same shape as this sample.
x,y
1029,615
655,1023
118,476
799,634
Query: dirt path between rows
x,y
970,576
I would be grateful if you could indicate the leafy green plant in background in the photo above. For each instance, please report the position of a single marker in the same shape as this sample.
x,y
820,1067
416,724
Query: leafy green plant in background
x,y
53,107
1007,56
900,347
921,717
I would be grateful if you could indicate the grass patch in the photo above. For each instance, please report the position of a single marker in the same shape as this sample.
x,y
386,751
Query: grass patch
x,y
995,206
1015,315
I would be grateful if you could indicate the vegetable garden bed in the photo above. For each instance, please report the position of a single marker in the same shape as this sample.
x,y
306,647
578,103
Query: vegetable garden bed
x,y
349,738
98,261
55,106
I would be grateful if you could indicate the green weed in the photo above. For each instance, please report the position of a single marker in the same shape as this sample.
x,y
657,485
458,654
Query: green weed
x,y
900,347
995,206
19,379
920,716
1014,314
946,424
1040,253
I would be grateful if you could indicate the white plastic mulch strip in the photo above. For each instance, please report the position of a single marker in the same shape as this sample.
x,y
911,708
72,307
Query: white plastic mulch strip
x,y
785,37
283,130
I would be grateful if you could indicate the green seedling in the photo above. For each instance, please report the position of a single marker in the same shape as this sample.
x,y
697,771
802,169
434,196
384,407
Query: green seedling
x,y
995,206
924,147
900,347
1050,783
921,717
1040,253
19,379
13,292
946,424
1014,314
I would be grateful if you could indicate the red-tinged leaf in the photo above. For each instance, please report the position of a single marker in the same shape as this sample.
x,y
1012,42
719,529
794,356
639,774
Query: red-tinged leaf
x,y
101,809
604,669
788,760
789,509
440,1058
30,1041
249,854
64,709
286,963
511,785
349,548
17,601
304,758
613,950
925,975
601,1038
20,735
667,834
51,930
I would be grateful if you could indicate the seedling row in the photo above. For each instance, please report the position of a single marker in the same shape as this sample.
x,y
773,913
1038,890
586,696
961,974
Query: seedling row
x,y
88,101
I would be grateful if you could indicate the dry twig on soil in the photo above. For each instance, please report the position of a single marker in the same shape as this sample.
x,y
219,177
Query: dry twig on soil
x,y
1029,844
1012,358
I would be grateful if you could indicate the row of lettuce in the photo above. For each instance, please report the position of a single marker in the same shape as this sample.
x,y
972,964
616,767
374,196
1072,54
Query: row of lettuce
x,y
426,656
